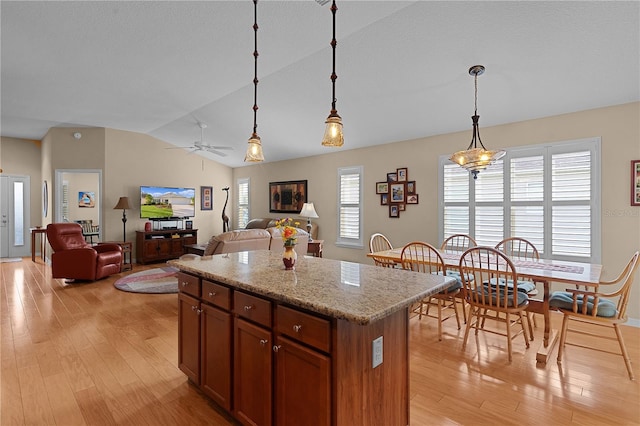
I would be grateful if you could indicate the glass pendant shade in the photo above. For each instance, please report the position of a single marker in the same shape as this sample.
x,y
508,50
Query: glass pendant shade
x,y
254,150
333,132
474,158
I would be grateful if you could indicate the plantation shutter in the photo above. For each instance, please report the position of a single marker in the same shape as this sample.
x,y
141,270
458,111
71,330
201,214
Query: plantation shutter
x,y
349,206
242,207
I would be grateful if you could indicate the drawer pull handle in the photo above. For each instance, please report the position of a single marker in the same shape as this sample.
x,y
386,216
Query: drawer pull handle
x,y
248,307
198,311
193,308
297,328
263,342
276,348
184,283
212,293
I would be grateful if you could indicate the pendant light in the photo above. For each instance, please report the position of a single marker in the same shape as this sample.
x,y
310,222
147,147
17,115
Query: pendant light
x,y
473,158
254,150
333,132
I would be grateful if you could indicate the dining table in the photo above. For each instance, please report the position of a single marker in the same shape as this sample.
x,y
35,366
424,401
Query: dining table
x,y
543,271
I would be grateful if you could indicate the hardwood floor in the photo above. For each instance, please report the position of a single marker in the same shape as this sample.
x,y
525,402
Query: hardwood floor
x,y
74,354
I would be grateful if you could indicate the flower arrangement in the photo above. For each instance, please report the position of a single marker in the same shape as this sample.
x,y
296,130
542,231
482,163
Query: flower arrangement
x,y
289,231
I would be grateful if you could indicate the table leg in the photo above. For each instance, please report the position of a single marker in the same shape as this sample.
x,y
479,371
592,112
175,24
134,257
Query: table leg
x,y
550,336
33,246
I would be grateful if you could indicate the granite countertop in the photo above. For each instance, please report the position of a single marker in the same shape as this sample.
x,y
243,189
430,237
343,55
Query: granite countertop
x,y
343,290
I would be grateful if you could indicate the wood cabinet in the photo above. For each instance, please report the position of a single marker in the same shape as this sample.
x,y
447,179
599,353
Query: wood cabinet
x,y
268,363
155,246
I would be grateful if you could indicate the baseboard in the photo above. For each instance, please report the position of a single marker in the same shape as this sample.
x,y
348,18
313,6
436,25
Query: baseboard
x,y
633,322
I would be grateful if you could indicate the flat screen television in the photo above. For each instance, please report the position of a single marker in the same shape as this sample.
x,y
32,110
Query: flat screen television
x,y
167,203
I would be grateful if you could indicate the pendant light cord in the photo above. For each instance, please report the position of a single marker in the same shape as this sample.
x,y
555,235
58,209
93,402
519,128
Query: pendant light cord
x,y
255,76
334,76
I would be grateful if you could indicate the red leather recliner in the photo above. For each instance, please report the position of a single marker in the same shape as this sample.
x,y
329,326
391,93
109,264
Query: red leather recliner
x,y
74,258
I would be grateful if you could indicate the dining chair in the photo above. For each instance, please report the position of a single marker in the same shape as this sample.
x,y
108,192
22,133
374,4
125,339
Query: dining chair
x,y
606,306
522,249
378,242
423,257
487,266
457,244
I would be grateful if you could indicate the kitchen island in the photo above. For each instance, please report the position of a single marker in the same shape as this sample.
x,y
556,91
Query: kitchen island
x,y
326,343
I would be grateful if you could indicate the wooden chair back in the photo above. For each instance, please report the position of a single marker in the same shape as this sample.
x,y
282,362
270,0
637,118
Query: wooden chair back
x,y
378,242
489,268
457,243
518,248
422,257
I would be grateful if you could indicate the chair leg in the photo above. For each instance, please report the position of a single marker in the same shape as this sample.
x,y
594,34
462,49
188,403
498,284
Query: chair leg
x,y
530,318
509,336
563,336
440,303
466,331
625,354
524,328
455,309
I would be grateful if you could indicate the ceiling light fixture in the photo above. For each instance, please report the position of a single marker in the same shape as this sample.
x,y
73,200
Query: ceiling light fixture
x,y
473,158
254,151
333,132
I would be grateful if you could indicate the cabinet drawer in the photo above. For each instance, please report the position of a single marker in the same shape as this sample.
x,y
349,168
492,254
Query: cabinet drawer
x,y
216,294
307,328
189,284
252,307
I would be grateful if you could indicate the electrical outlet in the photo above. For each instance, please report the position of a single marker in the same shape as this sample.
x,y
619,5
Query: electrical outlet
x,y
377,352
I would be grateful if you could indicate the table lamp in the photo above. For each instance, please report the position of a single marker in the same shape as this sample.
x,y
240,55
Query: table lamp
x,y
309,212
123,203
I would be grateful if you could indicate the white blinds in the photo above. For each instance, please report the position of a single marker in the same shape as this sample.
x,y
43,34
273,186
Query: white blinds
x,y
349,210
546,194
242,207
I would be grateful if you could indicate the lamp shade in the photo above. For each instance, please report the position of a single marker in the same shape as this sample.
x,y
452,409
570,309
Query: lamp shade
x,y
308,211
254,150
123,204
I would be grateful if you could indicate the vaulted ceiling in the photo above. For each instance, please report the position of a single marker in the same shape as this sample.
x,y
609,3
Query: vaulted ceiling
x,y
160,67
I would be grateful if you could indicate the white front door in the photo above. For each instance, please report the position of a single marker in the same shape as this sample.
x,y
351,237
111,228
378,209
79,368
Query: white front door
x,y
15,240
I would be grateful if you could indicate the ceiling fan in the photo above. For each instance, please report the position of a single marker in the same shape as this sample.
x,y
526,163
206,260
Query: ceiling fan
x,y
201,145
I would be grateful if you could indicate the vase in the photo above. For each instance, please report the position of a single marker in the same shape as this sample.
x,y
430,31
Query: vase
x,y
289,257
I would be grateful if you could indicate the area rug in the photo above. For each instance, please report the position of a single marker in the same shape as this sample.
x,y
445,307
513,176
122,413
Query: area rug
x,y
157,280
10,259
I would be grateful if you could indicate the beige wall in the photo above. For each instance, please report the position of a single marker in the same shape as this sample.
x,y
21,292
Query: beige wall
x,y
618,127
22,157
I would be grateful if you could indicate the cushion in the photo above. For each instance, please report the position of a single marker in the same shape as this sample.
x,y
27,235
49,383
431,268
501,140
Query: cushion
x,y
564,300
520,296
524,286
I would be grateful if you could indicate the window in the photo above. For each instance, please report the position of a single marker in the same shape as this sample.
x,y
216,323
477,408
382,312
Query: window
x,y
548,194
349,210
242,206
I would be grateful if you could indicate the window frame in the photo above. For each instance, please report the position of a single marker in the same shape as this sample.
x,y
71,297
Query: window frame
x,y
547,150
241,181
357,243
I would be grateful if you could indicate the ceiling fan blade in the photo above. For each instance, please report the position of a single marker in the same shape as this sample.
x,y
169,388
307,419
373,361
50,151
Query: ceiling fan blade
x,y
178,147
213,151
229,148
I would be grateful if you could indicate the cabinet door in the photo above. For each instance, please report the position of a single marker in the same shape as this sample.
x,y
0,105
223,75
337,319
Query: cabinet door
x,y
150,249
303,385
216,355
164,247
252,373
176,247
189,337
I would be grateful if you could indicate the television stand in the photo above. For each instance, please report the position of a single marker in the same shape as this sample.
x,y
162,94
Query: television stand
x,y
156,246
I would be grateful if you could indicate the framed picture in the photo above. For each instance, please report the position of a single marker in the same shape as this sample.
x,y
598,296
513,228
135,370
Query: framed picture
x,y
392,177
382,187
206,198
87,199
401,174
188,224
635,182
394,211
287,197
397,192
384,199
411,187
412,199
401,207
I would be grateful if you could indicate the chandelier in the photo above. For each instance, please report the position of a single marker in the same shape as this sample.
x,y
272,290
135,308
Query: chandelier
x,y
474,158
333,132
254,150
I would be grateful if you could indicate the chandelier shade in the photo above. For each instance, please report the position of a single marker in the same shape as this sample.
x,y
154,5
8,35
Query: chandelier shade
x,y
254,150
476,158
333,135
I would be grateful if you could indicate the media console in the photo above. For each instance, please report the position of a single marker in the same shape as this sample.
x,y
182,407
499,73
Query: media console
x,y
154,246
